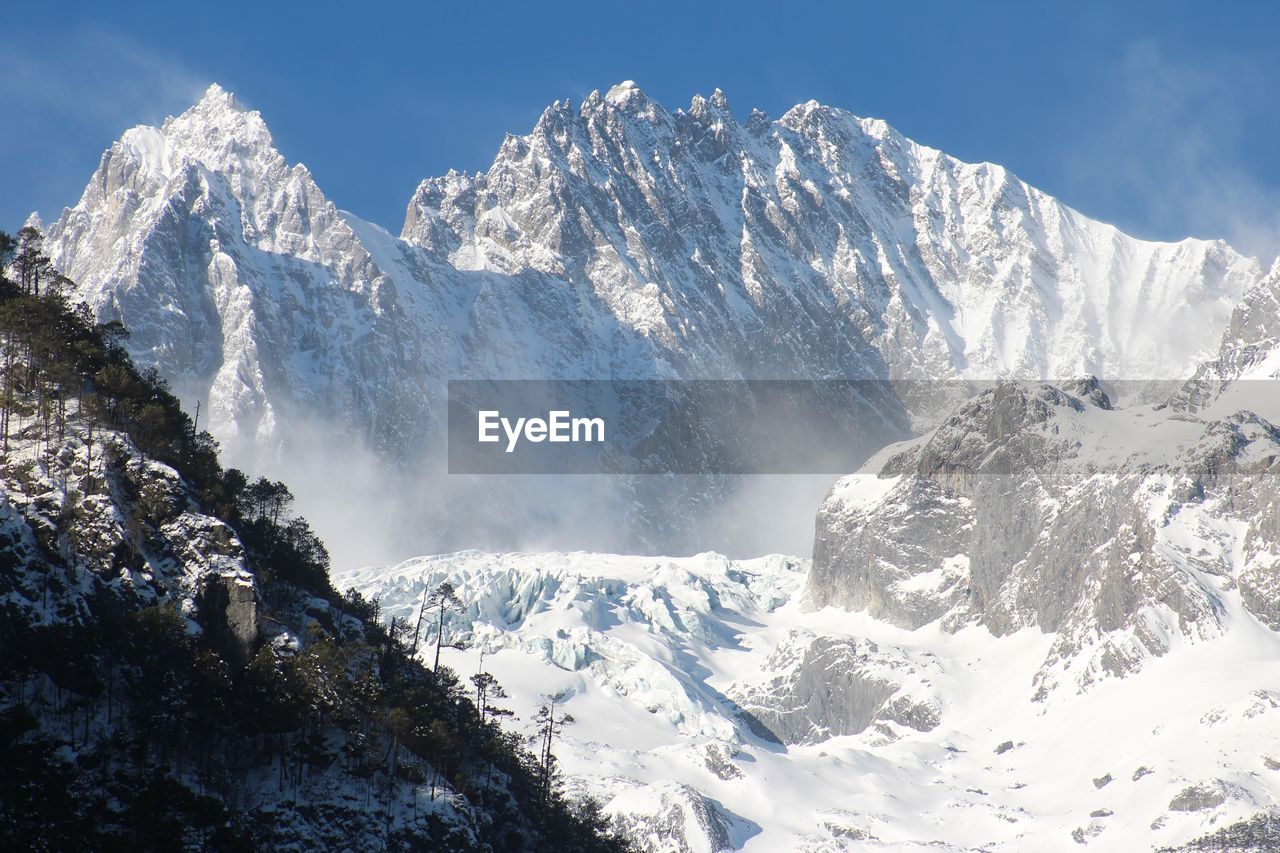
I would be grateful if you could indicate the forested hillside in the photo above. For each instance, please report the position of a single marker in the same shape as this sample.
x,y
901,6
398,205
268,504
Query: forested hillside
x,y
177,669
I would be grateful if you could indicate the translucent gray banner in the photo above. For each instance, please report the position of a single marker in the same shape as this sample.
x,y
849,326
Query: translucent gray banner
x,y
742,427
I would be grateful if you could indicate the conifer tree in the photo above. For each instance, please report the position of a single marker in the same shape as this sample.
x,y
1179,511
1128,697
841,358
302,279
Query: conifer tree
x,y
549,726
441,599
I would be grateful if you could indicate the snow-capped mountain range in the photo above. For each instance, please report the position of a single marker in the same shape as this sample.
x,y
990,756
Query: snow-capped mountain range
x,y
617,239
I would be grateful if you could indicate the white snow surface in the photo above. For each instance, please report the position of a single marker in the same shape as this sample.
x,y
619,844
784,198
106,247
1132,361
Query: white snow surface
x,y
647,649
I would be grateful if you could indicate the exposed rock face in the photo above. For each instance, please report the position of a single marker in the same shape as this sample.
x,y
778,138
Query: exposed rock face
x,y
1198,798
76,525
672,818
228,605
1031,506
719,760
1244,372
1249,348
820,687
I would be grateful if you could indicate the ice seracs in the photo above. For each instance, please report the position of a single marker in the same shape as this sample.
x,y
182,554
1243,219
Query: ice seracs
x,y
684,674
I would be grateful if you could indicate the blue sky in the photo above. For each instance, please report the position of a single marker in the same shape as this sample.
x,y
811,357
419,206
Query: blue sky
x,y
1160,117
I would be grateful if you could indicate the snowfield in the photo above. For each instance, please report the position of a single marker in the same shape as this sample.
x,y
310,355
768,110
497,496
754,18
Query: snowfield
x,y
656,657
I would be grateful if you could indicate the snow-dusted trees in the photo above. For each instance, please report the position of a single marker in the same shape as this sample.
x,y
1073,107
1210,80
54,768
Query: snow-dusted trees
x,y
52,354
487,690
129,723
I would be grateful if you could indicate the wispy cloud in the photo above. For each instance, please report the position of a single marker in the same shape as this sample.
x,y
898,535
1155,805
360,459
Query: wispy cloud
x,y
1167,144
66,99
93,77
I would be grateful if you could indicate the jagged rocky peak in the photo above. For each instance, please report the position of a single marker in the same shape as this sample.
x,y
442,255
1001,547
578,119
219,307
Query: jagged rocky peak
x,y
718,102
225,263
215,159
216,133
281,206
220,133
911,262
813,118
1244,370
630,98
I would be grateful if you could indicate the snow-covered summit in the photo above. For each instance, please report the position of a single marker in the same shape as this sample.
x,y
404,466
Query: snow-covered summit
x,y
914,263
621,94
216,132
223,260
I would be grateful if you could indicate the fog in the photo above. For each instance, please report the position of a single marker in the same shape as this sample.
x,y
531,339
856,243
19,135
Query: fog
x,y
373,508
370,511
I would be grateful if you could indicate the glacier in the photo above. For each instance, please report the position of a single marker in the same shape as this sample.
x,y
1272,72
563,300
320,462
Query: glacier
x,y
670,665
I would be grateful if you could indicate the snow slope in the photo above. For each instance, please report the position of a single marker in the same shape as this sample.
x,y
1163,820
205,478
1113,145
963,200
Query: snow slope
x,y
653,655
1122,531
